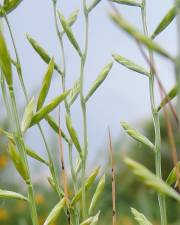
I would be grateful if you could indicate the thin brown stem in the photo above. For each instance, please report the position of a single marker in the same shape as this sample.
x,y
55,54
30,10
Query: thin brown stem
x,y
64,175
113,179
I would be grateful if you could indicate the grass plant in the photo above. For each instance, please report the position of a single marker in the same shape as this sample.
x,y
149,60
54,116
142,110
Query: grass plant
x,y
79,208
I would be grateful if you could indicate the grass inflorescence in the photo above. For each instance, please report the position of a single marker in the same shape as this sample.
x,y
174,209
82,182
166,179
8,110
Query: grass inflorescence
x,y
79,207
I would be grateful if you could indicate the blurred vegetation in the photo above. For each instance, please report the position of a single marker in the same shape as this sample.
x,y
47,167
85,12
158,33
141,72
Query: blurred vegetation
x,y
129,192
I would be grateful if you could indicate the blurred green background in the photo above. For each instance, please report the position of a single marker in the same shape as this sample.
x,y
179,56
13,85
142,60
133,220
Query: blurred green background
x,y
129,191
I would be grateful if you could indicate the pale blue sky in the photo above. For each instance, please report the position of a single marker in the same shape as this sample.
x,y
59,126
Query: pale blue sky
x,y
124,94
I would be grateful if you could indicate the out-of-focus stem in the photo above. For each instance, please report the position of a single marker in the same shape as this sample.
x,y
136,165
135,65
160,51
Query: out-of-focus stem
x,y
161,198
20,143
83,108
177,66
68,111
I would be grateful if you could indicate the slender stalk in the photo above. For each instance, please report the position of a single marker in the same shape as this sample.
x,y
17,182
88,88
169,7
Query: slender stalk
x,y
20,143
63,83
177,70
63,80
155,115
177,5
83,108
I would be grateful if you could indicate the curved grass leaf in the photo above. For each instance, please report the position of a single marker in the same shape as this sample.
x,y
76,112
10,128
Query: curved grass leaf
x,y
140,218
9,6
88,184
74,92
12,195
151,180
73,135
27,117
138,36
17,161
93,4
35,156
78,166
168,18
42,113
91,220
55,127
128,2
170,95
97,194
130,65
101,77
71,19
136,135
5,60
55,213
45,84
8,135
172,178
69,34
42,52
29,151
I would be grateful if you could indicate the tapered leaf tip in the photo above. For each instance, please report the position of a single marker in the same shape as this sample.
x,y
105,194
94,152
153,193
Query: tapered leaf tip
x,y
123,124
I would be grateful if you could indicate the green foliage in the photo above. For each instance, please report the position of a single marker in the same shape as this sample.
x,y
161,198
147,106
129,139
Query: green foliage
x,y
140,218
5,60
78,197
9,6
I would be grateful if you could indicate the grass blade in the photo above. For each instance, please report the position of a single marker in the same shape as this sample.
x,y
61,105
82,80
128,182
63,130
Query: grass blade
x,y
55,213
93,4
71,19
12,195
74,92
136,135
97,194
69,34
73,135
88,183
42,52
91,220
170,95
17,161
138,36
29,151
27,117
101,77
172,178
129,64
151,180
35,156
140,218
128,2
5,60
9,6
45,84
55,127
42,113
168,18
